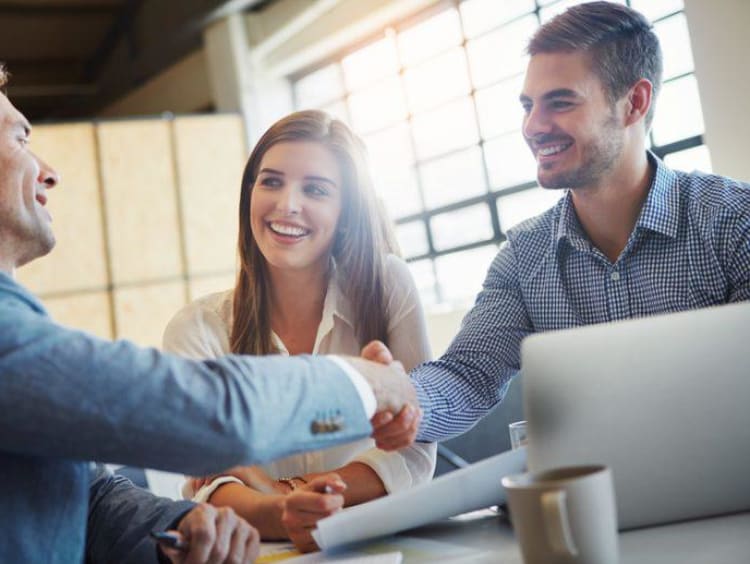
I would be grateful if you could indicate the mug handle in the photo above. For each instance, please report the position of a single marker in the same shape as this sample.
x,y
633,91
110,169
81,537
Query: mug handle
x,y
556,522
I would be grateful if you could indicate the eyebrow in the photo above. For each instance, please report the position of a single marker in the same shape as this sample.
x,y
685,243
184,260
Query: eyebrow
x,y
557,93
308,177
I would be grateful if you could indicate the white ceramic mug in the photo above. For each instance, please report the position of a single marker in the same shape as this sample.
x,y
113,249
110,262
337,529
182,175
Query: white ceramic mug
x,y
565,515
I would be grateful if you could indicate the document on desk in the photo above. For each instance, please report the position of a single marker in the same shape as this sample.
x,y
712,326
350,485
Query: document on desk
x,y
474,487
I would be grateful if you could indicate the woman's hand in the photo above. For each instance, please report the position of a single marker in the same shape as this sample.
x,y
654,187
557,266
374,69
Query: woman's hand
x,y
305,506
252,476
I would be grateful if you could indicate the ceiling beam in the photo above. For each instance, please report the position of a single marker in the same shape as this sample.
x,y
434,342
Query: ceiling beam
x,y
119,29
24,9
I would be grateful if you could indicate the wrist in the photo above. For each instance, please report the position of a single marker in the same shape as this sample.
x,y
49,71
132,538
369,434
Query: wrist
x,y
288,485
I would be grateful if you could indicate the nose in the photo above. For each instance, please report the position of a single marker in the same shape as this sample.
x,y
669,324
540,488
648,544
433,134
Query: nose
x,y
535,122
288,202
47,175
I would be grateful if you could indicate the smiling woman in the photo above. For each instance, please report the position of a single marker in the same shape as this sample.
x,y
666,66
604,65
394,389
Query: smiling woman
x,y
316,277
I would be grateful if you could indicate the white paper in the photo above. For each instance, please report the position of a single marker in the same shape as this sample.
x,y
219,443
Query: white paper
x,y
474,487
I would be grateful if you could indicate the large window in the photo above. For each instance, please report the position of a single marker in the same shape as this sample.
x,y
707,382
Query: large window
x,y
436,101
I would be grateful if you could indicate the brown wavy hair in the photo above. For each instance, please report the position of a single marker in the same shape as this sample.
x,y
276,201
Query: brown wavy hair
x,y
3,75
358,248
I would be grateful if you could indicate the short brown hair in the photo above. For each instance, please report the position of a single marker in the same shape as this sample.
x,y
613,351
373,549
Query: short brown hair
x,y
3,75
621,42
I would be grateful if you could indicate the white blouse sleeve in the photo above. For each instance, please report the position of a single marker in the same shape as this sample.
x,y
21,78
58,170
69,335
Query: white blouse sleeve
x,y
407,339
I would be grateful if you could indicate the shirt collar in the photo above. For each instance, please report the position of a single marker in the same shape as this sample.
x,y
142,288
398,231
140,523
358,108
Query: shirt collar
x,y
660,212
9,285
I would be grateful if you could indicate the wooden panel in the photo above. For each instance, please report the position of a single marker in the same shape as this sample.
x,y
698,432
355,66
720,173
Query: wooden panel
x,y
142,313
78,260
203,286
139,196
210,160
89,312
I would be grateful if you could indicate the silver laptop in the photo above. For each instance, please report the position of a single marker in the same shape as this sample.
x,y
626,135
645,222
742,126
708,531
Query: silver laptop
x,y
664,401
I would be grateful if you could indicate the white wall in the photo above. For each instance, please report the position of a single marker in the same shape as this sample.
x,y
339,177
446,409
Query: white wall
x,y
182,88
721,46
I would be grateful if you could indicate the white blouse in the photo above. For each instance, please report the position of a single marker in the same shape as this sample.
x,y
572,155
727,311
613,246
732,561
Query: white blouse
x,y
201,330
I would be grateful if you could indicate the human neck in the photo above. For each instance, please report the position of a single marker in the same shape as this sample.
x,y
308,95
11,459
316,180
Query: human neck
x,y
297,297
7,265
609,210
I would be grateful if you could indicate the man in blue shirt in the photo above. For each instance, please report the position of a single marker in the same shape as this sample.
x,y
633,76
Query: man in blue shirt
x,y
630,237
67,397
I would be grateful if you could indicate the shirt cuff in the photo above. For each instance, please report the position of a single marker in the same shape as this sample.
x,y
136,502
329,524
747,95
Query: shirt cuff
x,y
205,493
363,388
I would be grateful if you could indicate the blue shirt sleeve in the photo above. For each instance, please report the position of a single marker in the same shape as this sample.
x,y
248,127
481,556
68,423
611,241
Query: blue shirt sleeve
x,y
121,516
473,375
67,394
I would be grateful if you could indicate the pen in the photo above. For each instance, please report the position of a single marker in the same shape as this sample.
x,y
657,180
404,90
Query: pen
x,y
169,539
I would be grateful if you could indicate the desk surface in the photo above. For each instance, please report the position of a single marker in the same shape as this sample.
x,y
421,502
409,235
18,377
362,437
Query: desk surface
x,y
720,540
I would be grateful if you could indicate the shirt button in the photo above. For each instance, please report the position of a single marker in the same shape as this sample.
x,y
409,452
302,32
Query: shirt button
x,y
615,276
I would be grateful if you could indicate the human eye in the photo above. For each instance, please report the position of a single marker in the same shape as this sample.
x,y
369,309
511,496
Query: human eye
x,y
270,181
316,190
561,105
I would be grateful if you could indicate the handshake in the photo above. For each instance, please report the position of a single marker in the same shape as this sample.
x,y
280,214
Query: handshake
x,y
396,421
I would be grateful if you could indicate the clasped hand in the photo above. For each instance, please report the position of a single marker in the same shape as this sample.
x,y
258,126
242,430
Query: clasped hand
x,y
396,421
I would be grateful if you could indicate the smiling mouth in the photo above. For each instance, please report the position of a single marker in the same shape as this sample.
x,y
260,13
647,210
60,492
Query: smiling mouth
x,y
286,230
552,150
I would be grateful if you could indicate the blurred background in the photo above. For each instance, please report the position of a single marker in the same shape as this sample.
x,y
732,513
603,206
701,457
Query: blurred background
x,y
148,108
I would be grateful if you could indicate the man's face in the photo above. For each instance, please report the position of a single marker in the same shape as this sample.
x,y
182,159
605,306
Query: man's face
x,y
569,124
25,230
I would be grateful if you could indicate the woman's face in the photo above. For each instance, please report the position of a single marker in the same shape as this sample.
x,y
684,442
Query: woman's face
x,y
295,205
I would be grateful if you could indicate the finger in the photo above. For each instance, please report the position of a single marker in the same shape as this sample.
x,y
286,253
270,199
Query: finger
x,y
303,541
381,418
400,424
327,483
238,542
226,521
376,351
199,530
313,503
175,556
252,545
397,436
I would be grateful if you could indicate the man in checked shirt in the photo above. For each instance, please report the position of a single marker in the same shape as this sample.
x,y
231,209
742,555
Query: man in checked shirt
x,y
629,238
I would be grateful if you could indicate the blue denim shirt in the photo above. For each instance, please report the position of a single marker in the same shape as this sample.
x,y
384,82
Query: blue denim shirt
x,y
690,248
67,397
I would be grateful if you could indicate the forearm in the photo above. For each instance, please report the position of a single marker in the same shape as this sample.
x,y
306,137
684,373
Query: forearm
x,y
96,400
363,483
262,511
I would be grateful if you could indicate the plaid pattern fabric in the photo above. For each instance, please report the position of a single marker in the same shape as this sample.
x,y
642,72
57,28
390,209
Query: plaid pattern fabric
x,y
689,249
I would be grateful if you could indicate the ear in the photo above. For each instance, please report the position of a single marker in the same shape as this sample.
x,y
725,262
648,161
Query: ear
x,y
639,99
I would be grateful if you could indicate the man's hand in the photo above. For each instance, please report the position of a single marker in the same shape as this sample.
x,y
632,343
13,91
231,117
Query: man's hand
x,y
389,382
215,535
305,506
392,428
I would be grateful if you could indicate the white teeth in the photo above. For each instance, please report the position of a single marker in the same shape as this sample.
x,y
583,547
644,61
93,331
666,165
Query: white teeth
x,y
553,150
291,230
